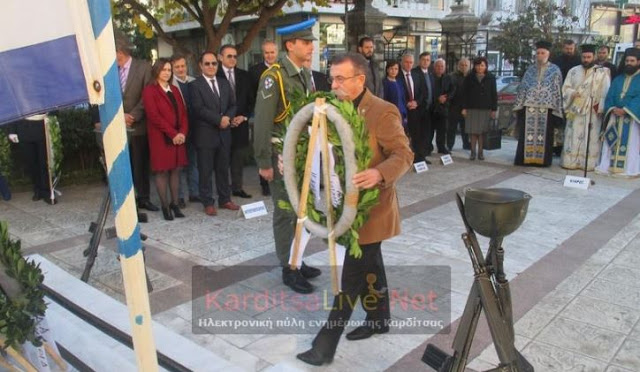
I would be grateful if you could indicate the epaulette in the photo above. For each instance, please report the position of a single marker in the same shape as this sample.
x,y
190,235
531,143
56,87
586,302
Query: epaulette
x,y
274,70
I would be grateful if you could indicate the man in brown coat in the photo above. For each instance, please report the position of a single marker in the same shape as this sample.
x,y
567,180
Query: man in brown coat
x,y
392,157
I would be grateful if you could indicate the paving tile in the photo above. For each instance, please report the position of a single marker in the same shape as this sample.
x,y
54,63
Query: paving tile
x,y
629,355
580,278
616,293
533,322
601,314
549,358
581,338
621,274
617,369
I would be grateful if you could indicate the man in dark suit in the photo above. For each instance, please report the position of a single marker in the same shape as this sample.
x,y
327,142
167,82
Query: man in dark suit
x,y
423,69
366,47
134,76
270,55
317,80
413,82
212,109
241,84
442,88
29,134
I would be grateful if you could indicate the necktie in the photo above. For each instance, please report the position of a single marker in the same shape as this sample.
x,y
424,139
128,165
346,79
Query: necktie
x,y
215,90
304,83
231,81
409,90
428,81
313,85
123,77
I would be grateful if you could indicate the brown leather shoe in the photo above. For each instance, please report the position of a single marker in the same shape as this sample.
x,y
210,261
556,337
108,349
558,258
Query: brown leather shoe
x,y
211,210
230,206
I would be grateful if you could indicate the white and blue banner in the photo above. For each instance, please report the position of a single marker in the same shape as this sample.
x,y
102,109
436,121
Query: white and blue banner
x,y
48,57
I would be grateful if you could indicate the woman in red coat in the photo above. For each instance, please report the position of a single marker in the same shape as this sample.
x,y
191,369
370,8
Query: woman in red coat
x,y
167,129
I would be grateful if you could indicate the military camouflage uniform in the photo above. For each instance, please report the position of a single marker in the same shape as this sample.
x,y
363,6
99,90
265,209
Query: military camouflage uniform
x,y
269,113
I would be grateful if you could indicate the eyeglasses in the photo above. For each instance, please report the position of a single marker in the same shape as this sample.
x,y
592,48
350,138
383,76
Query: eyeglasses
x,y
210,63
339,79
232,56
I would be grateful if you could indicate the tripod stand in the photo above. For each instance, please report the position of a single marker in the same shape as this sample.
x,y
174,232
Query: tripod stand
x,y
497,213
96,229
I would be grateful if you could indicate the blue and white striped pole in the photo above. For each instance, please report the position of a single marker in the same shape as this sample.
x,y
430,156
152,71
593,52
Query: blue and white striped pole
x,y
121,187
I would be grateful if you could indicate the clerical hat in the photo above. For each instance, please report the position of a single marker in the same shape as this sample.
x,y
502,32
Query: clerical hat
x,y
544,44
301,30
632,52
588,48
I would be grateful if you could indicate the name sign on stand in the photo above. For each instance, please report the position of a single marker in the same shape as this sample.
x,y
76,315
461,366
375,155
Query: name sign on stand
x,y
420,166
446,159
252,210
577,182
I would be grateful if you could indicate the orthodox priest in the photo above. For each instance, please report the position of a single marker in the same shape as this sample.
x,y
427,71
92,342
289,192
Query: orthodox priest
x,y
621,145
539,107
583,92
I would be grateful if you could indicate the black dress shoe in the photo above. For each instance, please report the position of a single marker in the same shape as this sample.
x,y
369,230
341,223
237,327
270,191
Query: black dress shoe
x,y
364,332
181,203
148,206
266,191
294,280
314,357
194,199
444,152
241,194
166,212
309,272
36,197
176,211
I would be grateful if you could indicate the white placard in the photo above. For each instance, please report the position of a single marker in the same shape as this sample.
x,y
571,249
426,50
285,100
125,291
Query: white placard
x,y
577,182
252,210
446,159
420,166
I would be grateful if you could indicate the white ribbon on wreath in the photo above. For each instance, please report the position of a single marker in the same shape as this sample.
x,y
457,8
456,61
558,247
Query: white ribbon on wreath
x,y
336,198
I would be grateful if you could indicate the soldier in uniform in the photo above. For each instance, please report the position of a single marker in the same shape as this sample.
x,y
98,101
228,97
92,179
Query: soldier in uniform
x,y
277,85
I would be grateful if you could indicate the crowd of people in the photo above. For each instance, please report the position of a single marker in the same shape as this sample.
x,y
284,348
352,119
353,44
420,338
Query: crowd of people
x,y
190,130
551,107
434,104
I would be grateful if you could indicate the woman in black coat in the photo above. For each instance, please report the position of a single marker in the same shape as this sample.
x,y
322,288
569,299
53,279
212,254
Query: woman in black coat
x,y
479,104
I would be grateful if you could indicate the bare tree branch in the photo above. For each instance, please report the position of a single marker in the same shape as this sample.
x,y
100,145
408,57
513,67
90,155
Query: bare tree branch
x,y
266,14
188,9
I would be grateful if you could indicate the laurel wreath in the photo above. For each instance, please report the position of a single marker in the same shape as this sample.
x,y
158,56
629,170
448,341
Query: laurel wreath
x,y
56,151
5,155
367,198
19,314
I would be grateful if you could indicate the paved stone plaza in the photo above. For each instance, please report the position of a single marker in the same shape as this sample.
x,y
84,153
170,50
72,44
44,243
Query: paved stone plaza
x,y
574,267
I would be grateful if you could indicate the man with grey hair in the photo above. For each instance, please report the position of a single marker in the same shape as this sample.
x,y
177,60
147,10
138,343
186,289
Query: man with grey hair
x,y
390,161
455,105
413,83
270,56
442,88
134,75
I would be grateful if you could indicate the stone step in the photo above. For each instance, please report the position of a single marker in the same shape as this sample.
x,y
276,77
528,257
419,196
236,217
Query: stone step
x,y
180,349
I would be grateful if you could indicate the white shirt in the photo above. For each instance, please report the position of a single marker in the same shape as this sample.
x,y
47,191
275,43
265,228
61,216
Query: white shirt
x,y
407,76
215,81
